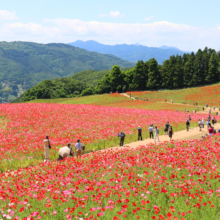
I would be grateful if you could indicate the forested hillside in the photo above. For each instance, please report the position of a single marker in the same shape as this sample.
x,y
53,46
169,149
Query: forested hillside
x,y
24,64
189,70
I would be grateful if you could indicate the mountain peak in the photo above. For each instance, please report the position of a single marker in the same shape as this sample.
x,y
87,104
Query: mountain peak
x,y
168,47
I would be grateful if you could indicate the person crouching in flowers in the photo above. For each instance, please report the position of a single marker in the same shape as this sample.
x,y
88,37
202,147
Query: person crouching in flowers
x,y
65,152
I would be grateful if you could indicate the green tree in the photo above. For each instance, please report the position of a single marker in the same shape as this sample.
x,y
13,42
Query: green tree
x,y
188,71
154,81
140,76
213,73
178,73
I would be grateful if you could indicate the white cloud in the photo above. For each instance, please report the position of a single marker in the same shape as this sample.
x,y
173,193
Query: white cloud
x,y
116,14
103,15
149,18
155,34
7,15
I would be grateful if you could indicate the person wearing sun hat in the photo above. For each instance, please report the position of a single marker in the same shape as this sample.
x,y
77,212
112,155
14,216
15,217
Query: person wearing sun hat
x,y
139,133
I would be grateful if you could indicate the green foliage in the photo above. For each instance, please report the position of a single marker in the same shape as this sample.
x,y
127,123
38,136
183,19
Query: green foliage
x,y
26,64
56,88
177,72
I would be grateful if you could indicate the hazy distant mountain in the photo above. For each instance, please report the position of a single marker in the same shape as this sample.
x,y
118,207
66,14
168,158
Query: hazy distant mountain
x,y
168,48
132,53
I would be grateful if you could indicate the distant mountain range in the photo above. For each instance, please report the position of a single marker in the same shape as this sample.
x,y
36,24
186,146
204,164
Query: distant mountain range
x,y
131,53
24,64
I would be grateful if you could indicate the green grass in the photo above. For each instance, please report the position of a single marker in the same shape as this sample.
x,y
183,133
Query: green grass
x,y
93,100
117,100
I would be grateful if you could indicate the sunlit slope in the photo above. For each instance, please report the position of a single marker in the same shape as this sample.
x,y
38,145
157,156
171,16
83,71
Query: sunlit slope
x,y
201,95
117,100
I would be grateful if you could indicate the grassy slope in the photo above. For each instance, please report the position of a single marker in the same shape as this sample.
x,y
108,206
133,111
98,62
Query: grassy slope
x,y
202,95
116,100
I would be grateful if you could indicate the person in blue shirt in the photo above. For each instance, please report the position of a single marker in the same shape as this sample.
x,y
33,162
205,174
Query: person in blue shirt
x,y
166,128
151,129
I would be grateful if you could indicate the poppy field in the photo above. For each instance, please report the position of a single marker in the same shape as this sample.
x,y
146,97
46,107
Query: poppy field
x,y
24,126
178,180
201,95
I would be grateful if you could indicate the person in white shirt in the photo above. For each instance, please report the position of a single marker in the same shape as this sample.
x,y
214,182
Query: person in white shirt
x,y
78,149
151,129
156,134
200,124
203,123
47,147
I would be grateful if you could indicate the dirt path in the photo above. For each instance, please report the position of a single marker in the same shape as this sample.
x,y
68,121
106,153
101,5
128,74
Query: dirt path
x,y
193,133
128,96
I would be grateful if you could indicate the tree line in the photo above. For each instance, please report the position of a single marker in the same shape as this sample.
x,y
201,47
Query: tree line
x,y
188,70
178,72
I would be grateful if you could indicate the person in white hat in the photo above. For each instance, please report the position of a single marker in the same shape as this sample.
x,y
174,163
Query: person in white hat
x,y
139,133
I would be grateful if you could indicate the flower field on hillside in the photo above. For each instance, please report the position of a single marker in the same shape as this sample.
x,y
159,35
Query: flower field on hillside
x,y
178,180
202,95
25,126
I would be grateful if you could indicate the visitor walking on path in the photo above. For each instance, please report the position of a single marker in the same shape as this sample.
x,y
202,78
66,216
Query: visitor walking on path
x,y
211,130
189,119
167,125
187,125
122,138
208,124
203,123
156,134
139,133
47,148
65,152
170,132
200,125
213,120
150,129
78,149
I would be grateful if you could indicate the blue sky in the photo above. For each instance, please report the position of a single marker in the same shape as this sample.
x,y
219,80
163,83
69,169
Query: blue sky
x,y
188,25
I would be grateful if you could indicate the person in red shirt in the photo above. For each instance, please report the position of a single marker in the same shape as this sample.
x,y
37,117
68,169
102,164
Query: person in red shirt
x,y
211,130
